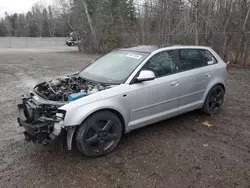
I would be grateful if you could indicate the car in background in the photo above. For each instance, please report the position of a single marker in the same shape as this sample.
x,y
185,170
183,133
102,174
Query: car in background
x,y
71,42
73,39
124,90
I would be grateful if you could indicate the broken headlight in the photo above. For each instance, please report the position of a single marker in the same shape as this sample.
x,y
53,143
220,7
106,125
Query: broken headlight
x,y
60,114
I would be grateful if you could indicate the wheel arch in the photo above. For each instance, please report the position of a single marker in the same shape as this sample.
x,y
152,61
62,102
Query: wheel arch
x,y
204,105
117,113
72,134
217,84
211,87
222,85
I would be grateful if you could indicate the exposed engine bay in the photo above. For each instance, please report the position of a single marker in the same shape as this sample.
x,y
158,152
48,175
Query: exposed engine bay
x,y
68,88
38,113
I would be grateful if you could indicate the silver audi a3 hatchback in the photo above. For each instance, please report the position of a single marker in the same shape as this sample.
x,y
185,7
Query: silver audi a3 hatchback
x,y
121,91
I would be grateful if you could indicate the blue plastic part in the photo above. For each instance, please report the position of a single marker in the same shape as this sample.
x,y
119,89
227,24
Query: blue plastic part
x,y
76,96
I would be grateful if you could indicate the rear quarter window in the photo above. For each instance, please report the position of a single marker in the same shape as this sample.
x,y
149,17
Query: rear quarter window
x,y
190,59
208,57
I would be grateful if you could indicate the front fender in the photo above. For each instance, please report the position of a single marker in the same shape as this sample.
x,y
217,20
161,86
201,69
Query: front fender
x,y
77,115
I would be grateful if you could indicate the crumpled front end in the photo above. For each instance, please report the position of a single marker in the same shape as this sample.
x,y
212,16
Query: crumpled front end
x,y
39,112
42,122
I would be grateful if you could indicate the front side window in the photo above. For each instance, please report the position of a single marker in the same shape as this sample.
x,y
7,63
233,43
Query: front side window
x,y
190,59
162,64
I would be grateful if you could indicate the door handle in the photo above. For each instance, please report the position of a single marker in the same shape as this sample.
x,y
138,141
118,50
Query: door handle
x,y
208,75
175,83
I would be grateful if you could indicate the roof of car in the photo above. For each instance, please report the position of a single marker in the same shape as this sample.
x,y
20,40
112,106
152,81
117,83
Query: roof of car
x,y
142,48
152,48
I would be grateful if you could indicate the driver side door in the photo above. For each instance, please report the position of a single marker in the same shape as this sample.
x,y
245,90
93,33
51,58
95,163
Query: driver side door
x,y
155,100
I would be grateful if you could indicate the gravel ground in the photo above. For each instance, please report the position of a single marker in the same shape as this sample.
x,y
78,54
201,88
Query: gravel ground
x,y
180,152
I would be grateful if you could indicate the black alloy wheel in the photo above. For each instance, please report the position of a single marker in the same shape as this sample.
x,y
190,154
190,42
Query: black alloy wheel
x,y
99,134
214,100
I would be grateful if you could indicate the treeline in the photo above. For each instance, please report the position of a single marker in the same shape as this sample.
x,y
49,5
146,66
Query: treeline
x,y
40,21
222,24
104,25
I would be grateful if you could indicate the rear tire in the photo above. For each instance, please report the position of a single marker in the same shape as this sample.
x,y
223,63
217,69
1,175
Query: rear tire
x,y
214,100
99,134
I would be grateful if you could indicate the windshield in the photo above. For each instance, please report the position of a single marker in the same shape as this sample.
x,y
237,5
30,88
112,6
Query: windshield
x,y
114,67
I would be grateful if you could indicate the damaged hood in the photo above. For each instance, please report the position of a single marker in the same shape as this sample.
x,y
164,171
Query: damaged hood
x,y
66,89
67,93
39,100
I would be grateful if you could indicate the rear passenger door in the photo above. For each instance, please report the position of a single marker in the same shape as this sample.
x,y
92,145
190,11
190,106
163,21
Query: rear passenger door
x,y
194,77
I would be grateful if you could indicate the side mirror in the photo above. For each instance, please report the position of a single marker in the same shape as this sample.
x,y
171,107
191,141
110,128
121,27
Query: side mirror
x,y
210,62
145,75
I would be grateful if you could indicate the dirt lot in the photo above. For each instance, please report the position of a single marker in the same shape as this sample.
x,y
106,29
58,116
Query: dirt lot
x,y
180,152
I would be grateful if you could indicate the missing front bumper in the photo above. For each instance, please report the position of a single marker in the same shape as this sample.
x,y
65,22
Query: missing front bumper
x,y
43,132
38,132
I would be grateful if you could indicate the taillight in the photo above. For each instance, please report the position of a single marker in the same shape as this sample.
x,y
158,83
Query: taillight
x,y
227,67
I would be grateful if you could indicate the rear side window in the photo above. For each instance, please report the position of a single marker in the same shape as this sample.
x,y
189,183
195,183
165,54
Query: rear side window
x,y
190,59
208,57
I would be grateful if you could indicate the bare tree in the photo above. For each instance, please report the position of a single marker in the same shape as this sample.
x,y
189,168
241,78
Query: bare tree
x,y
197,23
242,37
93,32
225,28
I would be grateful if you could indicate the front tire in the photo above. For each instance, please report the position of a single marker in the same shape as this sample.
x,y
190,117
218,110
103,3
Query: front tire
x,y
99,134
214,100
